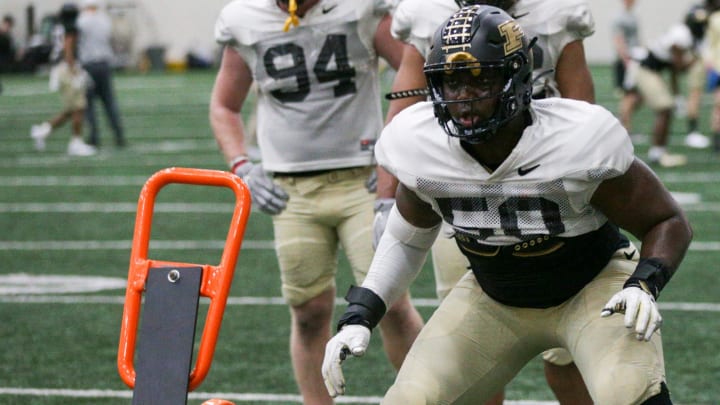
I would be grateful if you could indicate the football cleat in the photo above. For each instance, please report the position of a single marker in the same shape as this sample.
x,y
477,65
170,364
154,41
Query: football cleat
x,y
697,140
77,147
38,133
672,160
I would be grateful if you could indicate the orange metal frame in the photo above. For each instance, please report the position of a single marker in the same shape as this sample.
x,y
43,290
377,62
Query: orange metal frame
x,y
216,280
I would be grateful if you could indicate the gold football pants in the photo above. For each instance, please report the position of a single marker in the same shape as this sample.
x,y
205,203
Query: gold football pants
x,y
324,212
473,346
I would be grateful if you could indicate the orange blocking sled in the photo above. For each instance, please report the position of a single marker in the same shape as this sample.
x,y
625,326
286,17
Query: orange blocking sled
x,y
216,280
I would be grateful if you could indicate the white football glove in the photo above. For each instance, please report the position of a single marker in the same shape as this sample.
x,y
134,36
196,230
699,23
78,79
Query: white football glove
x,y
268,196
382,211
640,311
371,182
351,340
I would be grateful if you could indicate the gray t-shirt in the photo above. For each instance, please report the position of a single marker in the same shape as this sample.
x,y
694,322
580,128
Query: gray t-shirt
x,y
626,24
95,30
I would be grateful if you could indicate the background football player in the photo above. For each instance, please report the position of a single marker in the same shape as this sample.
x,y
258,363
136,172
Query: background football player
x,y
713,46
626,39
560,69
672,53
315,64
696,84
71,81
534,191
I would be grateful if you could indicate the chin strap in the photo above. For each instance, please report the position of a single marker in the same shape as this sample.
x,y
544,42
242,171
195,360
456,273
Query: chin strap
x,y
292,19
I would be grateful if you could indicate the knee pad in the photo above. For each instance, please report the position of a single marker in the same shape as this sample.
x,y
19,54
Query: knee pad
x,y
632,388
403,394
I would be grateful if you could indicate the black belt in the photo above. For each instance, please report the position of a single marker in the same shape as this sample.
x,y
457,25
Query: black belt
x,y
311,173
538,246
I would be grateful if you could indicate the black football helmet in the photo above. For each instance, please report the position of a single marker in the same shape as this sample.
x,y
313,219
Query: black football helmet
x,y
490,45
503,4
696,20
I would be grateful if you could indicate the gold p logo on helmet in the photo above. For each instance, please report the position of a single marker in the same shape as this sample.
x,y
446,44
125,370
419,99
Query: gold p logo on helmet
x,y
466,59
513,34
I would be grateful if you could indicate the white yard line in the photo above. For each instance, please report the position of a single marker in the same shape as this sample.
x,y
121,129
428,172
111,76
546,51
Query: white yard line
x,y
47,181
230,396
704,246
48,161
200,207
20,298
126,244
114,207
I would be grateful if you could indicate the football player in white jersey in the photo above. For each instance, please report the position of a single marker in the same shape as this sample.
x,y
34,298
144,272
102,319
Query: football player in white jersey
x,y
535,191
673,53
560,26
315,63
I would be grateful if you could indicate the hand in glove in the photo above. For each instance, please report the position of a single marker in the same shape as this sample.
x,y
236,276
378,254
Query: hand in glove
x,y
350,340
382,211
639,308
268,196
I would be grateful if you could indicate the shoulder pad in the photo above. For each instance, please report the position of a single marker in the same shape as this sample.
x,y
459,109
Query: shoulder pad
x,y
548,17
384,6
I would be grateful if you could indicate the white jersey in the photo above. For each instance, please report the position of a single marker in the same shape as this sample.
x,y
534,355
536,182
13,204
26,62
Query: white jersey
x,y
713,41
318,87
94,45
415,21
544,186
555,23
678,35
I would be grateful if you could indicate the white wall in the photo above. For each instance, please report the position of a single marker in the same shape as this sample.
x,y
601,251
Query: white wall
x,y
177,25
182,25
655,17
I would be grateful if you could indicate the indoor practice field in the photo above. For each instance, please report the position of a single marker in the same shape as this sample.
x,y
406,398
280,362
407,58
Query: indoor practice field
x,y
67,229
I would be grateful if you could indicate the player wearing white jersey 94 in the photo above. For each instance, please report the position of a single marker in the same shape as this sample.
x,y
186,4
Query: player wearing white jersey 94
x,y
315,64
536,192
